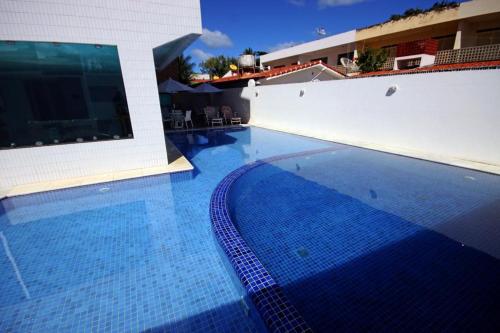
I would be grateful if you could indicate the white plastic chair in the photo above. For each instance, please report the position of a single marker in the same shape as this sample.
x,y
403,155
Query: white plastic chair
x,y
187,119
178,118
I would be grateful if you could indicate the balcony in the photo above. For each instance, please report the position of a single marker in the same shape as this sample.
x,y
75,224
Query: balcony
x,y
468,54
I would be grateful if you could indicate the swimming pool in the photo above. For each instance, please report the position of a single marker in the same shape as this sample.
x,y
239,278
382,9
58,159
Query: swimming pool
x,y
129,256
140,255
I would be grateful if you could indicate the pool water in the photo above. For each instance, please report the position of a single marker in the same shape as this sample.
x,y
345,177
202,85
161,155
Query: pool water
x,y
366,241
130,256
353,235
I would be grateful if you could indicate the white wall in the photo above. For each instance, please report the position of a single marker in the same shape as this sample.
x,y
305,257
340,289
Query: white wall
x,y
453,117
331,53
313,46
239,101
136,27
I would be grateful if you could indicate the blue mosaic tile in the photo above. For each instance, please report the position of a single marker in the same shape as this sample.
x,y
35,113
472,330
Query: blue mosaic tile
x,y
277,312
130,256
360,240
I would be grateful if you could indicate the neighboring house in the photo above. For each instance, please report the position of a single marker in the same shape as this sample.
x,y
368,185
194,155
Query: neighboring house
x,y
471,24
313,71
83,72
201,77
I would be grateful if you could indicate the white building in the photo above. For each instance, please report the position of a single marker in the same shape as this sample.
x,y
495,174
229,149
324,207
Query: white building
x,y
78,90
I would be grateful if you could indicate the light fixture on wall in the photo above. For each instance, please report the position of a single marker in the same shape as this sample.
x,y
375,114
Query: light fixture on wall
x,y
392,89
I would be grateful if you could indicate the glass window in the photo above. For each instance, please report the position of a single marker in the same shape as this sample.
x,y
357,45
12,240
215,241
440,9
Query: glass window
x,y
54,93
488,37
445,42
391,50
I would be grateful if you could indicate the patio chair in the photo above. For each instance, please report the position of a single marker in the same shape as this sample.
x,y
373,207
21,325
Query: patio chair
x,y
209,112
212,117
229,116
178,119
167,117
187,118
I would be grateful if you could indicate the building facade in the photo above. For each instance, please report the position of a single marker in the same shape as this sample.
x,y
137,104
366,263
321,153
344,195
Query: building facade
x,y
474,23
78,86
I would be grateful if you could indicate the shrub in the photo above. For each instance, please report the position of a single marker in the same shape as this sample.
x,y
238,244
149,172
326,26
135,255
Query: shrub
x,y
371,60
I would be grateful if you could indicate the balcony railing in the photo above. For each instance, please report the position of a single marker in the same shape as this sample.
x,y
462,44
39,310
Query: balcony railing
x,y
468,54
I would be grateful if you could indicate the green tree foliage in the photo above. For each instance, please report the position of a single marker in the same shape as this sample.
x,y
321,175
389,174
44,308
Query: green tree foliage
x,y
217,66
248,50
437,6
371,60
185,69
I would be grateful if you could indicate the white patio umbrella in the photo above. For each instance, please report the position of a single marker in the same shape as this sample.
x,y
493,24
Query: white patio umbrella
x,y
171,86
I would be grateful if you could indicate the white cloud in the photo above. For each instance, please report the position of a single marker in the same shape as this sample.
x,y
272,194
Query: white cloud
x,y
298,3
334,3
281,46
215,39
201,55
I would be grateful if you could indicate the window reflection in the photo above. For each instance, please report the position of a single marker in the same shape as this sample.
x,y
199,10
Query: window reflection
x,y
53,93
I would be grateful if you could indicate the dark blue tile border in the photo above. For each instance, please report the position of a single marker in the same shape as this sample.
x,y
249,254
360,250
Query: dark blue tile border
x,y
276,311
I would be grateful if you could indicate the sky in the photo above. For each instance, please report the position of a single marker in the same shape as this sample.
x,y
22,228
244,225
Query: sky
x,y
230,26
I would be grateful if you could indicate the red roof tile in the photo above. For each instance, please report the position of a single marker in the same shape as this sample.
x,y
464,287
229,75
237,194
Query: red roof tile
x,y
436,68
275,72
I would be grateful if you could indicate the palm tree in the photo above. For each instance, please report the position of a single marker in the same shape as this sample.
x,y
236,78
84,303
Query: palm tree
x,y
249,51
185,69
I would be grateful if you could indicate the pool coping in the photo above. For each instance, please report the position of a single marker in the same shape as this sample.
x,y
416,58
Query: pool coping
x,y
267,295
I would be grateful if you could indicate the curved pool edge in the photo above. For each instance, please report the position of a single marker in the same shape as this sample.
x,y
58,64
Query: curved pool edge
x,y
266,294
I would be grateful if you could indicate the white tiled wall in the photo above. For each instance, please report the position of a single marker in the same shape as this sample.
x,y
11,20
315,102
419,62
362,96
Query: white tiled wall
x,y
136,27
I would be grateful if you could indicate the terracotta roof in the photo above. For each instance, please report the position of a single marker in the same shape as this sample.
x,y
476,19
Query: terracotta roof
x,y
436,68
199,81
276,72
